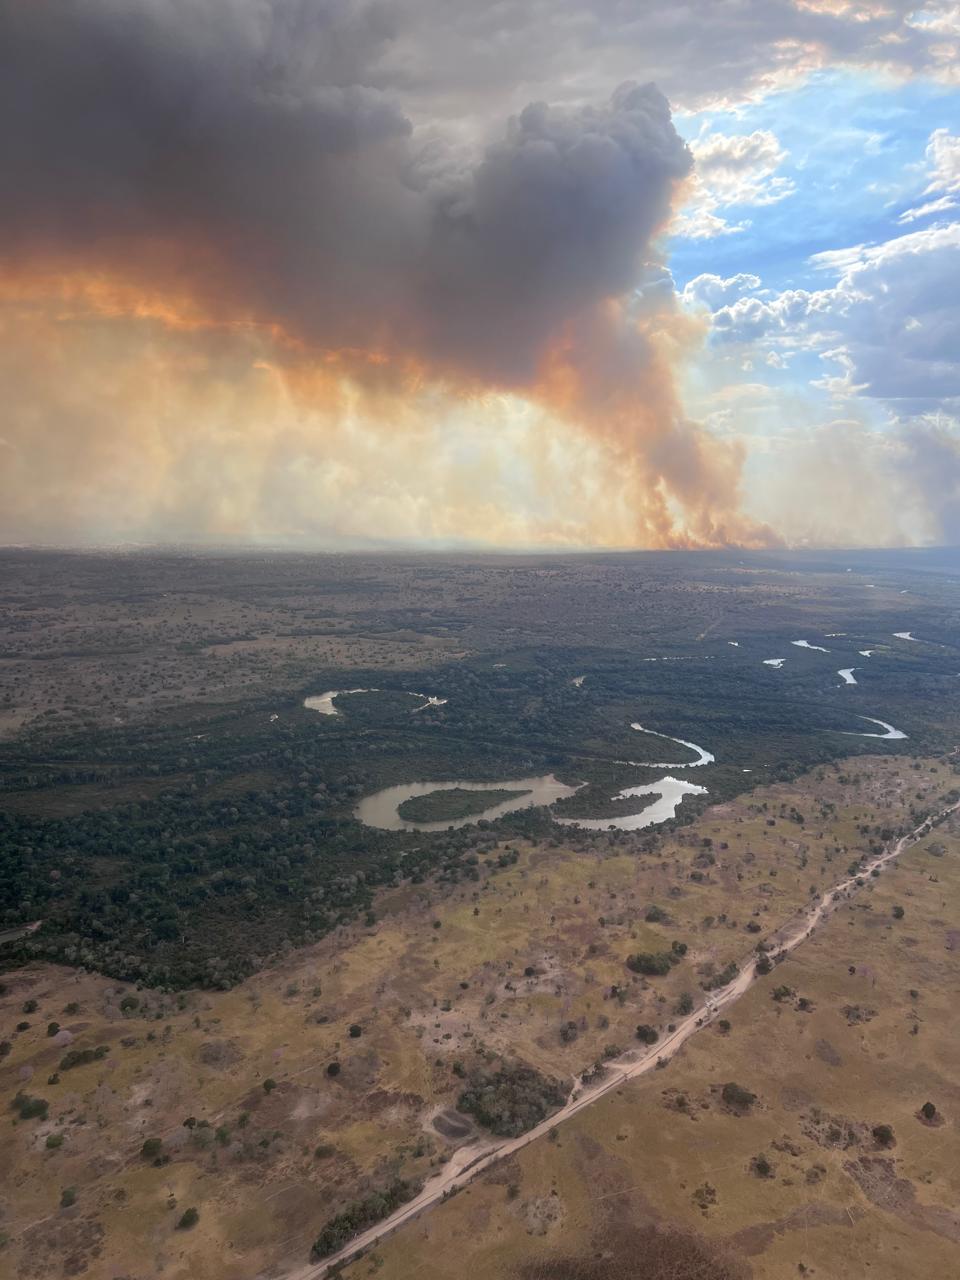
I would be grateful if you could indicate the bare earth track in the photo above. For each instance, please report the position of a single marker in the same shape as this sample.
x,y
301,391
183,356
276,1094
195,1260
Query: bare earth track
x,y
469,1161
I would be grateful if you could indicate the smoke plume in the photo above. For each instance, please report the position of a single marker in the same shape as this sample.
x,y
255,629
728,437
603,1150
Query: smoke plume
x,y
225,257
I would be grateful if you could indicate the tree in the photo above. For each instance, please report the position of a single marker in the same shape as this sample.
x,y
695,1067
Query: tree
x,y
356,1030
735,1095
883,1135
653,965
151,1148
269,1085
685,1003
648,1034
189,1219
928,1111
333,1069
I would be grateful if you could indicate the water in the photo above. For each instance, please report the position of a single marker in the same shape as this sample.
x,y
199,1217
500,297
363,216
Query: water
x,y
671,792
323,702
703,757
430,701
890,734
380,809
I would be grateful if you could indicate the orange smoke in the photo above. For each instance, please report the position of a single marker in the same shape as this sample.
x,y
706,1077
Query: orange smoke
x,y
608,378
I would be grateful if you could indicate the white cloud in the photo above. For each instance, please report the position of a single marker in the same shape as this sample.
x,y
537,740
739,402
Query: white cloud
x,y
732,171
943,156
943,170
890,322
941,205
712,291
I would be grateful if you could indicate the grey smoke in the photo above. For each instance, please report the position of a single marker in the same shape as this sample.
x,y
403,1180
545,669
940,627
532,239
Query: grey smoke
x,y
235,149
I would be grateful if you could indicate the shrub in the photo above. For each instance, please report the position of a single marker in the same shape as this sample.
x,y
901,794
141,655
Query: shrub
x,y
333,1069
898,913
80,1057
54,1140
151,1148
53,1028
361,1214
655,915
650,963
29,1006
30,1108
685,1003
510,1099
761,1166
735,1095
68,1197
781,993
269,1085
928,1111
647,1034
356,1030
722,978
883,1135
189,1219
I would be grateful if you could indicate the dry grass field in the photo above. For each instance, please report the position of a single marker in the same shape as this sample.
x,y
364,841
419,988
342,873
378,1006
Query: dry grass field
x,y
665,1180
527,961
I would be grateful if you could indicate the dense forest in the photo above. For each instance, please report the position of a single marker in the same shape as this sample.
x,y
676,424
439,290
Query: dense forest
x,y
155,850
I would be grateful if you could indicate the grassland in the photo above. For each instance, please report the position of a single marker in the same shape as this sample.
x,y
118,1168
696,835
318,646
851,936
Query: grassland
x,y
805,1181
526,960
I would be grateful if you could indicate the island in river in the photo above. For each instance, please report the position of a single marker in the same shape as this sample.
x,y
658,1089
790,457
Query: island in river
x,y
453,805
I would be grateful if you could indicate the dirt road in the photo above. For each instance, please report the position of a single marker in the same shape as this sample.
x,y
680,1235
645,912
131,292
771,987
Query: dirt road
x,y
469,1161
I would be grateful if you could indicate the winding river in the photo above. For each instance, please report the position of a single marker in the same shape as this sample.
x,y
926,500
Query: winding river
x,y
670,791
381,809
889,734
323,702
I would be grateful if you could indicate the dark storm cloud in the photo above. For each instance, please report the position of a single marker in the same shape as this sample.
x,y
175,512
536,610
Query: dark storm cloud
x,y
233,148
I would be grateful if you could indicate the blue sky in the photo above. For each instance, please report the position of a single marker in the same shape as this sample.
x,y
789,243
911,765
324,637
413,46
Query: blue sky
x,y
855,144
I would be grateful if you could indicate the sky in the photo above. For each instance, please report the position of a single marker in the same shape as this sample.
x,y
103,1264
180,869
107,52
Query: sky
x,y
350,274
